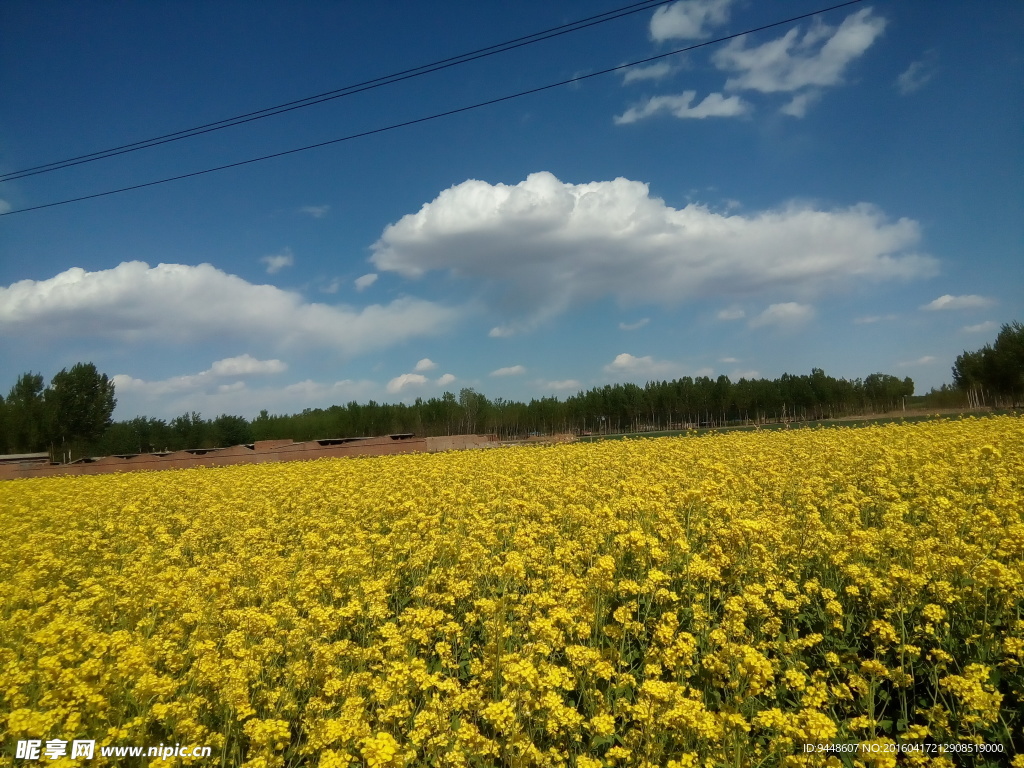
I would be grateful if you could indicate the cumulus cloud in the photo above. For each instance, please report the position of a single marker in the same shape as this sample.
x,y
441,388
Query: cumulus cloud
x,y
654,71
688,19
405,381
816,59
731,313
786,315
230,367
364,282
741,374
4,206
416,380
728,359
512,370
278,261
634,326
713,105
988,325
970,301
246,365
560,386
542,245
176,303
316,211
917,75
631,365
157,399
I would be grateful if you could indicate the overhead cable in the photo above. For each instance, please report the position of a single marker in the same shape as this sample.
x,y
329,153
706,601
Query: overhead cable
x,y
349,90
434,116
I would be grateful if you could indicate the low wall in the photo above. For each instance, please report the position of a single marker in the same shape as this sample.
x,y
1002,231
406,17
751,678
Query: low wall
x,y
259,452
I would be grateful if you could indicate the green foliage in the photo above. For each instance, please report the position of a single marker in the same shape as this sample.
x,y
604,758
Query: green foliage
x,y
25,416
679,404
996,371
190,431
80,403
231,430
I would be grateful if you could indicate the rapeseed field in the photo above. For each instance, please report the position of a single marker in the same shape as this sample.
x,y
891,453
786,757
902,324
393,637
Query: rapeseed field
x,y
714,601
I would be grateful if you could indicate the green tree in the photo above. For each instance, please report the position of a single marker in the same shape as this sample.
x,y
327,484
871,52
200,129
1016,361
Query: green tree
x,y
80,403
25,415
231,430
190,430
994,374
1008,363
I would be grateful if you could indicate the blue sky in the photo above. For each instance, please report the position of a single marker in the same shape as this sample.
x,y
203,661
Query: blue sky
x,y
844,192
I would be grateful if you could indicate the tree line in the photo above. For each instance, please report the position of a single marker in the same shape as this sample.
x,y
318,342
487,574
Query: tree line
x,y
72,416
994,374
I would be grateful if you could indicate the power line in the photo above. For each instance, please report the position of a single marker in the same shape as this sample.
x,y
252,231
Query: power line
x,y
435,116
349,90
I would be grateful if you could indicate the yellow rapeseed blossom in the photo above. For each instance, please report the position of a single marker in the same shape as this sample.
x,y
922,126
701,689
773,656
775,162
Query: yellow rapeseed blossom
x,y
723,600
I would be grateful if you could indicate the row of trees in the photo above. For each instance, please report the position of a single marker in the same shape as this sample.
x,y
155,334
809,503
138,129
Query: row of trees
x,y
677,404
994,374
74,411
73,414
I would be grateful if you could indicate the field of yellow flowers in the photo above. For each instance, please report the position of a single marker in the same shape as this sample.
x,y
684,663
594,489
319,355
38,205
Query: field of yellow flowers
x,y
712,601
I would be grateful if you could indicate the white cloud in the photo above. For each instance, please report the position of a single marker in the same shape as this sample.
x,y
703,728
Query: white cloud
x,y
641,366
332,287
988,325
634,326
560,386
246,365
920,361
748,374
708,372
154,399
426,364
786,315
414,380
731,313
713,105
917,75
688,19
542,245
364,282
971,301
316,211
654,71
176,303
230,367
512,370
502,331
405,381
791,62
728,360
869,319
797,106
4,206
279,261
